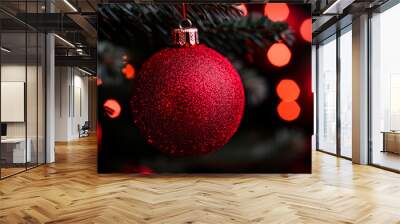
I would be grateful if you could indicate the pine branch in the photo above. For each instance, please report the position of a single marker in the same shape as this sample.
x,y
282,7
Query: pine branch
x,y
261,31
147,27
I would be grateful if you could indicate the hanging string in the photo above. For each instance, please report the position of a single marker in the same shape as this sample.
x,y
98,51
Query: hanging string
x,y
183,11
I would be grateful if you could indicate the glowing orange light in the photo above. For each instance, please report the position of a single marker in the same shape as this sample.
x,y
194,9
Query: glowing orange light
x,y
112,108
289,111
129,71
99,82
243,9
279,54
276,12
306,30
288,90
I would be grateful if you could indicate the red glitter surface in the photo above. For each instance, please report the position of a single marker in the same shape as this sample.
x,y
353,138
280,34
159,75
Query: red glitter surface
x,y
188,101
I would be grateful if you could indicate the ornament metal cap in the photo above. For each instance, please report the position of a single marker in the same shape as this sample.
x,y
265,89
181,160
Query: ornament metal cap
x,y
185,36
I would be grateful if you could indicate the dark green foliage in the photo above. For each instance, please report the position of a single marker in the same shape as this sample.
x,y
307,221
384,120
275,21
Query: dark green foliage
x,y
221,26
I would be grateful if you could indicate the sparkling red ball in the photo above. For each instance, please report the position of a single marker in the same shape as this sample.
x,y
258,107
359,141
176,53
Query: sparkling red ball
x,y
188,101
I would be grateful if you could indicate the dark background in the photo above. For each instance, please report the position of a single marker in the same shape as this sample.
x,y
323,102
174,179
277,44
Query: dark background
x,y
264,143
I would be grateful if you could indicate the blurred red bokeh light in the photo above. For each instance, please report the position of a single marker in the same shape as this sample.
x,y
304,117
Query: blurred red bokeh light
x,y
243,9
288,90
306,30
99,82
145,170
112,108
289,111
276,12
99,135
279,54
128,71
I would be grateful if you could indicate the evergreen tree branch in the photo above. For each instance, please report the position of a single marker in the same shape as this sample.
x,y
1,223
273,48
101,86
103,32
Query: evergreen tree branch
x,y
147,27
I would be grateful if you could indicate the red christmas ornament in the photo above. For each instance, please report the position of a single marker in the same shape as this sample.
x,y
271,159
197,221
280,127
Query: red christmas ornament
x,y
188,100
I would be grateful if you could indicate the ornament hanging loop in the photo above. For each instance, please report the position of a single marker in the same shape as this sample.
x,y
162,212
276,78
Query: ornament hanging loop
x,y
185,23
186,35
